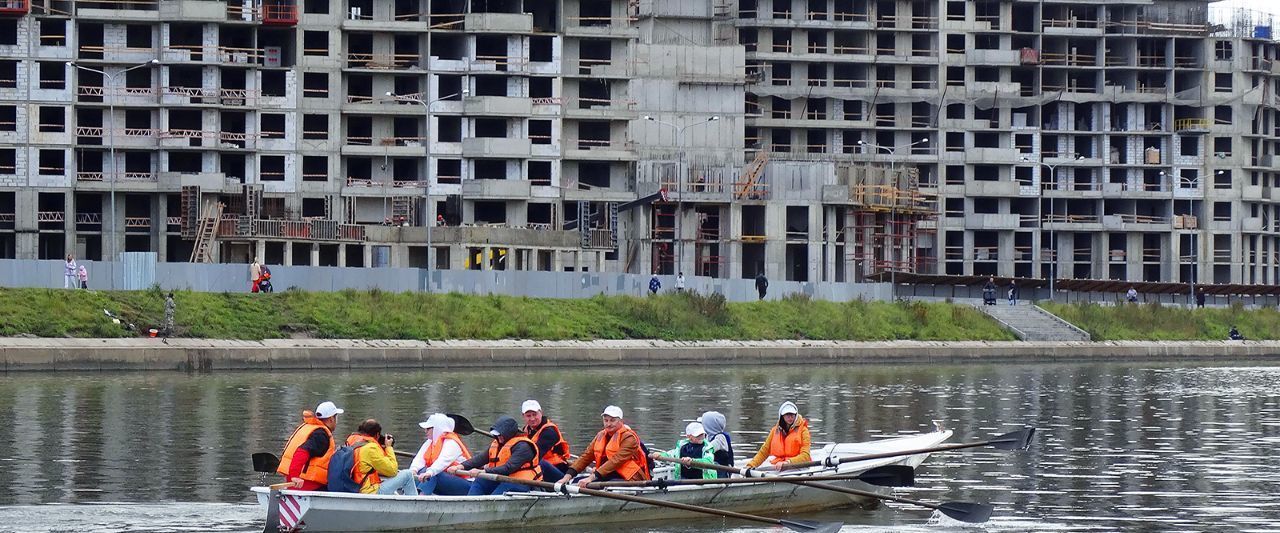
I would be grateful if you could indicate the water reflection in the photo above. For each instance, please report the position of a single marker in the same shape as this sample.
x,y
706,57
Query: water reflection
x,y
1121,446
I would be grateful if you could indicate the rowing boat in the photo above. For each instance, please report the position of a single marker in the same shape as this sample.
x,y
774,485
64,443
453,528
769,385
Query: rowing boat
x,y
324,511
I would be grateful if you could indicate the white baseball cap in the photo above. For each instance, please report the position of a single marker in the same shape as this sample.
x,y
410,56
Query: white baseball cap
x,y
613,411
328,410
530,405
694,429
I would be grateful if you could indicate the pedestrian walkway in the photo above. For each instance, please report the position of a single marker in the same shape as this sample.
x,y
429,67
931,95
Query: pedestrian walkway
x,y
1031,323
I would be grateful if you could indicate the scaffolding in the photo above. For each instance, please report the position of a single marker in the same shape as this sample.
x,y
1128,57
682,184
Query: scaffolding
x,y
708,258
891,225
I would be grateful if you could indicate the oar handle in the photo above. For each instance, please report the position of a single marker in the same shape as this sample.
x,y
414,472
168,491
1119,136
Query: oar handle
x,y
744,472
279,486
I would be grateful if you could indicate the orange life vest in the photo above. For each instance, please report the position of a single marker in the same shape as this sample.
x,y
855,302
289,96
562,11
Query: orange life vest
x,y
433,450
605,446
783,448
317,468
559,453
363,442
529,470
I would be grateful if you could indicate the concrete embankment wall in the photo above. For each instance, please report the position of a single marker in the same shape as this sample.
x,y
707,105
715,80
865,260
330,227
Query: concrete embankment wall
x,y
30,354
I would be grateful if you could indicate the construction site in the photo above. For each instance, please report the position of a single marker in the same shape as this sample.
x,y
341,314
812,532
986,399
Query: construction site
x,y
808,140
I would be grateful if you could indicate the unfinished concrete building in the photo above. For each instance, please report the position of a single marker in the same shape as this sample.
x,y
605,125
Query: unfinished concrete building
x,y
811,140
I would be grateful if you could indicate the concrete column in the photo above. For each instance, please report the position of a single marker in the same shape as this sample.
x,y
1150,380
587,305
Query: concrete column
x,y
968,252
288,254
160,228
260,250
366,252
557,261
775,248
315,255
342,255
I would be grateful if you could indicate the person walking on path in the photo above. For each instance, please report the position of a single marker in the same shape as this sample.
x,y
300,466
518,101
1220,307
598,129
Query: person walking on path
x,y
169,309
1200,298
255,275
1013,292
654,284
70,273
83,274
680,282
762,284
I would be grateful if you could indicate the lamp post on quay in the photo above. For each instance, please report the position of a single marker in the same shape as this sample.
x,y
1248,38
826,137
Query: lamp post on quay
x,y
680,171
109,82
426,186
1053,241
893,208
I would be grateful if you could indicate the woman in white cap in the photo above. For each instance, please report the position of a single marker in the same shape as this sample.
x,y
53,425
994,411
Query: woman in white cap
x,y
693,447
615,452
788,440
442,449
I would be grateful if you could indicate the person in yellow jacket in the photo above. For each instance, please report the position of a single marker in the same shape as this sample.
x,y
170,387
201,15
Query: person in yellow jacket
x,y
375,459
788,440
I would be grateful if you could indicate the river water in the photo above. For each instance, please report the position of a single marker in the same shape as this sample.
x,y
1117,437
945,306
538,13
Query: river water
x,y
1121,447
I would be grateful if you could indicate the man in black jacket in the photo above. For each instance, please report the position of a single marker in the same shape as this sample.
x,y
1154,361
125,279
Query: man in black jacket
x,y
511,454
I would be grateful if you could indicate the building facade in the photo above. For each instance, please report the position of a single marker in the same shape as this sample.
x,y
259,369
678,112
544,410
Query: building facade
x,y
811,140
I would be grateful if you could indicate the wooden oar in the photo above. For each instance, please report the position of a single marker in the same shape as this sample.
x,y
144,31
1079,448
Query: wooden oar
x,y
892,476
794,525
1017,440
973,513
884,476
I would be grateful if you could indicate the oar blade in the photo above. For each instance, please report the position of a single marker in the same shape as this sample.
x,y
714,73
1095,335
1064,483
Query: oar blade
x,y
265,462
461,425
973,513
890,476
810,526
1018,440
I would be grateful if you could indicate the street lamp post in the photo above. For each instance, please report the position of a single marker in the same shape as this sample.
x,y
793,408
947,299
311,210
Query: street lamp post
x,y
110,81
679,180
1053,240
426,186
893,208
1190,184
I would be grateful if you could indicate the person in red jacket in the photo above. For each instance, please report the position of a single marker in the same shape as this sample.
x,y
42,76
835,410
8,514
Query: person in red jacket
x,y
305,461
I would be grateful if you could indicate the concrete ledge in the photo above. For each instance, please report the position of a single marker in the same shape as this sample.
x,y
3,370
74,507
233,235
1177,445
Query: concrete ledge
x,y
31,355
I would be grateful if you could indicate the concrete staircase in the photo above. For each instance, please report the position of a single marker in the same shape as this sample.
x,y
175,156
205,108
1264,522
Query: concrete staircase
x,y
1031,323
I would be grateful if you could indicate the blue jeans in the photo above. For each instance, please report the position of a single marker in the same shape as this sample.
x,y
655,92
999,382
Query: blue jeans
x,y
444,484
550,472
484,487
402,483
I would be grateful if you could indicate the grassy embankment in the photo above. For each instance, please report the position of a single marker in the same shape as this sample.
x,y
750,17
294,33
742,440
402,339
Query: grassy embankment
x,y
383,315
1155,322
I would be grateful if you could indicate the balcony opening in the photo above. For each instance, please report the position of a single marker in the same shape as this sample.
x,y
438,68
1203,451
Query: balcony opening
x,y
493,48
233,166
315,85
539,174
315,168
273,83
448,129
448,46
489,169
359,169
53,75
539,214
184,162
52,119
271,168
315,43
594,52
52,163
271,126
490,212
594,174
138,36
315,127
449,171
491,127
491,85
540,132
359,130
593,134
594,93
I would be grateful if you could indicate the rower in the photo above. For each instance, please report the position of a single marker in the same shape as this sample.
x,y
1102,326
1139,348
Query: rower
x,y
693,447
441,450
788,440
510,454
714,423
615,451
553,450
305,460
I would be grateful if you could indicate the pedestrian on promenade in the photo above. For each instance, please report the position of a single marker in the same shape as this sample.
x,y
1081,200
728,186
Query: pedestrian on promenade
x,y
989,292
654,284
255,275
70,272
762,284
169,309
1200,298
1131,296
680,282
83,274
1013,292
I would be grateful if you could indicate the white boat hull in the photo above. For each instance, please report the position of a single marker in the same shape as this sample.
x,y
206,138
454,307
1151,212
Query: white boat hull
x,y
322,511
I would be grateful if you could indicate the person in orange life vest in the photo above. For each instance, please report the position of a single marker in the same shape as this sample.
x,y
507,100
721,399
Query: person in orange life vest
x,y
510,454
615,451
305,460
553,450
788,441
441,450
375,458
